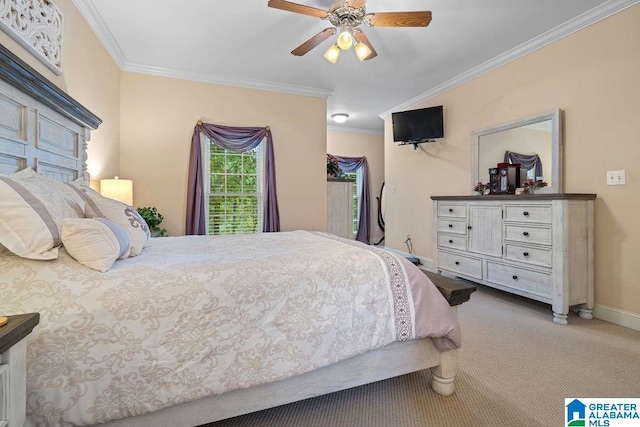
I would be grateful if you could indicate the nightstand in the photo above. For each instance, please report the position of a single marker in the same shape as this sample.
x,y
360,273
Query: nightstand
x,y
13,368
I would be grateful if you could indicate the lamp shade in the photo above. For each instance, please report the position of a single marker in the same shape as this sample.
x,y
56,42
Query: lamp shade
x,y
117,189
332,53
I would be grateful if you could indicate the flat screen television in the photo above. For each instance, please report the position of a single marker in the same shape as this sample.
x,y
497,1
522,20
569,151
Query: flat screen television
x,y
419,125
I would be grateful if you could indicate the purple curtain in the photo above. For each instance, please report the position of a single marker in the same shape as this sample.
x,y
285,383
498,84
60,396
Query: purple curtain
x,y
527,161
238,139
351,164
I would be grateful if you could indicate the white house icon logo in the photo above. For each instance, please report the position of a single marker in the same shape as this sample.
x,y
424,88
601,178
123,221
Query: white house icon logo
x,y
576,413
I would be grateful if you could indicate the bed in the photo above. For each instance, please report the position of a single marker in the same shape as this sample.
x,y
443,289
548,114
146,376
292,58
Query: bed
x,y
191,329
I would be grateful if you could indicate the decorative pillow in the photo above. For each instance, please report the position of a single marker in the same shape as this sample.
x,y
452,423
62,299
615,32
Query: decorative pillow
x,y
98,206
95,243
32,208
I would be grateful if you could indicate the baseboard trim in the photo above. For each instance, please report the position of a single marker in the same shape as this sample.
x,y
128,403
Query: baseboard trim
x,y
620,317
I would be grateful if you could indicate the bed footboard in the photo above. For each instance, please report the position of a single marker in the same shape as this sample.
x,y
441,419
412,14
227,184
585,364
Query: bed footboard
x,y
391,361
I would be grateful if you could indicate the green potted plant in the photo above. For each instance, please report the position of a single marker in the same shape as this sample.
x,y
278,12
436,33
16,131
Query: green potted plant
x,y
153,218
333,167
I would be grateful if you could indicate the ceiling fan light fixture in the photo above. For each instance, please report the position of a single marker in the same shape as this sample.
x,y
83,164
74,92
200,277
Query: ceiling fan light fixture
x,y
332,53
340,117
362,51
345,39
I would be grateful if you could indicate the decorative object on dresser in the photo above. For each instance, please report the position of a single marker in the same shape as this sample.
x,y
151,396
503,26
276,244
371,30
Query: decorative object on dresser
x,y
13,368
529,186
539,246
481,188
508,178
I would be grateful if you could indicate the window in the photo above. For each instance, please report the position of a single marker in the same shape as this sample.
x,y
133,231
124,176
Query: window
x,y
235,190
357,176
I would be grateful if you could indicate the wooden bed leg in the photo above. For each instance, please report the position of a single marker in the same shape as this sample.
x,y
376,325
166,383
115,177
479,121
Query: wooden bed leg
x,y
443,376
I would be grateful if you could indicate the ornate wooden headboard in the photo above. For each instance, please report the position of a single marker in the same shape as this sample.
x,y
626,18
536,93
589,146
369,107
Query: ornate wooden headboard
x,y
40,125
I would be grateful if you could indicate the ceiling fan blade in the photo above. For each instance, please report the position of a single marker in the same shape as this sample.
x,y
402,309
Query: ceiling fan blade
x,y
297,8
356,4
362,38
398,19
314,41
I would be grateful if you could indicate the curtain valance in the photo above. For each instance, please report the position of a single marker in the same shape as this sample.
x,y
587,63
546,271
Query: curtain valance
x,y
239,140
351,164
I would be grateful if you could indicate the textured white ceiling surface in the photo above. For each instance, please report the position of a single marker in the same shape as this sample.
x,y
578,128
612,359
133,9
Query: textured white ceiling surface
x,y
245,43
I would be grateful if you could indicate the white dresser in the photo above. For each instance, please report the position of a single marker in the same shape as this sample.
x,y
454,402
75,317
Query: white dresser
x,y
540,246
340,207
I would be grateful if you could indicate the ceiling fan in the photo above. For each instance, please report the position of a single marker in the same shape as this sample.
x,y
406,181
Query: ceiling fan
x,y
346,16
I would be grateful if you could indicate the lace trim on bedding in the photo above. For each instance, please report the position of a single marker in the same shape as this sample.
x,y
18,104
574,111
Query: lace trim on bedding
x,y
398,285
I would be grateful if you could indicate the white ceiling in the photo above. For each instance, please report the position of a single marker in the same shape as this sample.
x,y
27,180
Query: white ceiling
x,y
245,43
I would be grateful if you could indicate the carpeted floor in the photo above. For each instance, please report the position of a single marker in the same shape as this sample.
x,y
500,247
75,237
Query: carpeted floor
x,y
516,368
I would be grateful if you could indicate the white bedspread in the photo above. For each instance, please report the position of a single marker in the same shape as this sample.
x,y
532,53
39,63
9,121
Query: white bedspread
x,y
198,315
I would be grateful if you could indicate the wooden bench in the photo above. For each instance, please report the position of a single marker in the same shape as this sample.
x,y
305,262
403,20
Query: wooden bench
x,y
455,291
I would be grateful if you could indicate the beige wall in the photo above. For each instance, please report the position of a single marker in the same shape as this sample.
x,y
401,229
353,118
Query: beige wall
x,y
91,77
593,76
157,119
363,145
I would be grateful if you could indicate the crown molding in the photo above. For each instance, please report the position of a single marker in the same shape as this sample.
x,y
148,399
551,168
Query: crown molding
x,y
95,21
354,130
244,83
588,18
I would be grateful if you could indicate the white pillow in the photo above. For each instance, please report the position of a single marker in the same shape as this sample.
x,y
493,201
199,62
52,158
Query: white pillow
x,y
95,243
32,208
98,206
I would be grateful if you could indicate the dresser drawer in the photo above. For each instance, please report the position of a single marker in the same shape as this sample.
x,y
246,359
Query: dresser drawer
x,y
533,282
462,264
453,241
452,210
450,225
528,213
528,234
531,255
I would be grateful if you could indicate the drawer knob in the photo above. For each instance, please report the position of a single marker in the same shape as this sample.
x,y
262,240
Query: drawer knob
x,y
525,253
514,277
526,233
450,210
450,241
525,213
450,225
468,227
457,262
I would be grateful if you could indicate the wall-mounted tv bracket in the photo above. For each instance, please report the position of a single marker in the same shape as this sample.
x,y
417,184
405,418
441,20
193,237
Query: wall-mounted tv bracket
x,y
415,143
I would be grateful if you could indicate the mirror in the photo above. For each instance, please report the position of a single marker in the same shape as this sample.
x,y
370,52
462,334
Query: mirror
x,y
540,134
